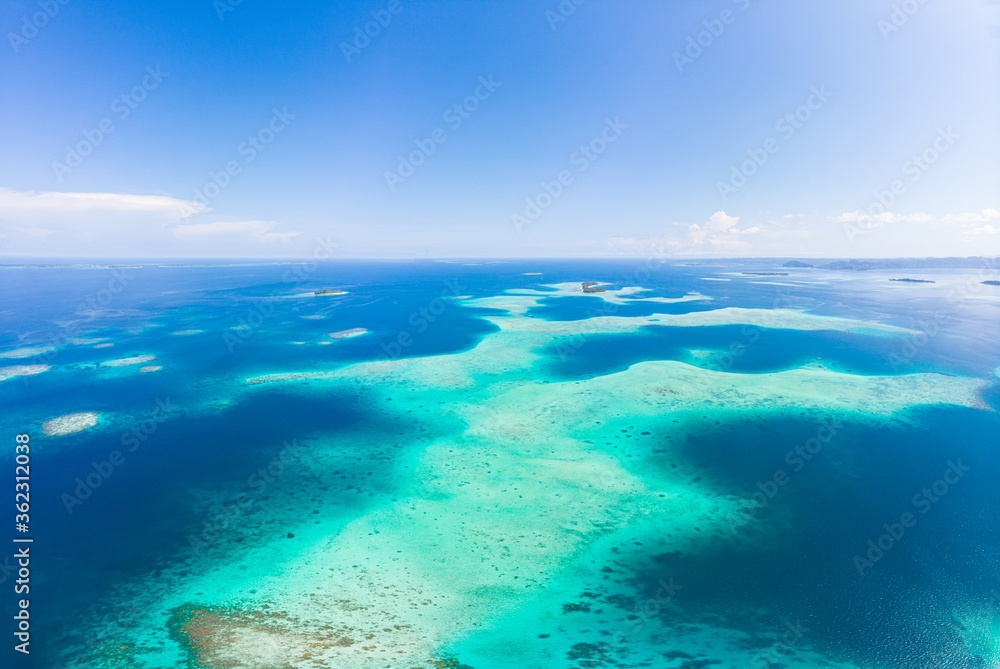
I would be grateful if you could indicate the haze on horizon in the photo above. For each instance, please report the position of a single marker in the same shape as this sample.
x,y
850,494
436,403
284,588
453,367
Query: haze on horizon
x,y
726,128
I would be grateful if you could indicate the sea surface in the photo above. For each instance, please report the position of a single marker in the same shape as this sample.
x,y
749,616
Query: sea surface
x,y
696,468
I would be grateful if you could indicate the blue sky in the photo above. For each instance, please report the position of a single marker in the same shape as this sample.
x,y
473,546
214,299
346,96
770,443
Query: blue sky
x,y
593,129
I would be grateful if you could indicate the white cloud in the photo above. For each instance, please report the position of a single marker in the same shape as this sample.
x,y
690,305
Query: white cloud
x,y
964,219
260,230
719,232
984,230
971,218
877,220
46,203
33,232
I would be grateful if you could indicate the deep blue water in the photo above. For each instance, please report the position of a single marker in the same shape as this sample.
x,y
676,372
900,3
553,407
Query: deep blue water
x,y
898,611
897,615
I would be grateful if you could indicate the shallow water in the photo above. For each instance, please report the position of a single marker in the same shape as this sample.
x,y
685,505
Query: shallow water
x,y
455,485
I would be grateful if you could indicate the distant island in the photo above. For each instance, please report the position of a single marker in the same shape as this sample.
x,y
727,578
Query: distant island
x,y
766,273
911,263
913,280
990,283
591,287
860,264
328,291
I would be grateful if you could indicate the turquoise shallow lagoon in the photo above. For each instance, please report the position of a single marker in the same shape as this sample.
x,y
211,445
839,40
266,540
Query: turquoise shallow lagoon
x,y
696,468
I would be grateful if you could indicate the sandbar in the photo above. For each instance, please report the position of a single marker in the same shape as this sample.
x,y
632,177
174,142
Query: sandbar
x,y
346,334
122,362
22,370
68,424
26,352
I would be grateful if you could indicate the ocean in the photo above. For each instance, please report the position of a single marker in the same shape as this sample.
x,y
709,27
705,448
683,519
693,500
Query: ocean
x,y
700,466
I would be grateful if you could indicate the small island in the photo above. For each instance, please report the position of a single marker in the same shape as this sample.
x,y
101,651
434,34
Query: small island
x,y
591,287
328,291
765,273
990,283
913,280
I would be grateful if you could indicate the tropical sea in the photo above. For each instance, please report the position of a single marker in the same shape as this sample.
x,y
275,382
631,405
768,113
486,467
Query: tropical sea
x,y
708,464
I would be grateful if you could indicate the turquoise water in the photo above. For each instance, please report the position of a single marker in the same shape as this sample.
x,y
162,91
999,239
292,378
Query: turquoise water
x,y
533,492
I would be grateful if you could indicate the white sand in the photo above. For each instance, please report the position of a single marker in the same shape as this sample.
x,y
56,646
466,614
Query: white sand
x,y
623,295
22,370
122,362
347,334
26,352
70,423
500,507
